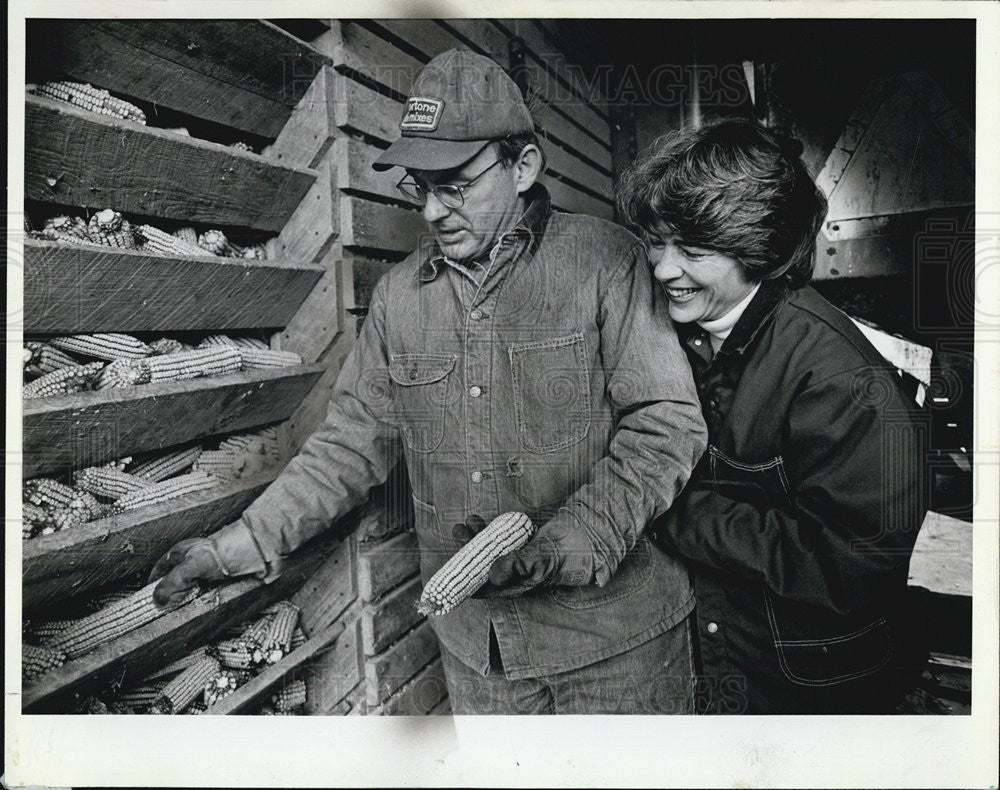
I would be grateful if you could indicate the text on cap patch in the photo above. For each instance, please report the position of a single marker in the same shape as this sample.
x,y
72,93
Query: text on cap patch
x,y
422,114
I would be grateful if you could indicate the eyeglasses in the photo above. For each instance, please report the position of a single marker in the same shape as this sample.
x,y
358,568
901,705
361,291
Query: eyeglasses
x,y
451,195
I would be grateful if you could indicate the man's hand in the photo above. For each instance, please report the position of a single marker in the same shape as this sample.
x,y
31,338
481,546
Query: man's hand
x,y
534,564
187,563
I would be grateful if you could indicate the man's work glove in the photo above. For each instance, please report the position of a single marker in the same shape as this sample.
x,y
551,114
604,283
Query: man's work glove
x,y
231,551
555,555
186,564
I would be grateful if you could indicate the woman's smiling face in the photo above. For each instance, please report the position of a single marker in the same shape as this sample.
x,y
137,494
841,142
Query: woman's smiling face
x,y
700,284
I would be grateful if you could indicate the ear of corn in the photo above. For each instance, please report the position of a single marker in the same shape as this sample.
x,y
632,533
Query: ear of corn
x,y
255,252
108,346
215,242
299,638
109,227
47,359
182,690
220,463
277,640
69,227
163,466
123,373
225,684
188,234
64,381
239,145
160,242
213,361
111,622
292,696
218,340
166,490
36,660
468,569
46,493
109,482
87,97
174,667
34,519
263,358
233,653
167,345
45,632
141,696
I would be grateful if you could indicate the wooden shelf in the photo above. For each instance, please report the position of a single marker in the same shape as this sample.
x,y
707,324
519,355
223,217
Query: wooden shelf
x,y
74,431
167,638
75,157
243,73
66,291
57,566
255,690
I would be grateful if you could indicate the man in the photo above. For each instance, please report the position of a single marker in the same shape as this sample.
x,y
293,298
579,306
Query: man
x,y
521,361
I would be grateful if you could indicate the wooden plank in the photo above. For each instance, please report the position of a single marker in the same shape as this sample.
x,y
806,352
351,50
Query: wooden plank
x,y
310,130
66,291
181,79
377,226
547,51
942,557
386,621
570,167
482,36
74,431
354,49
318,321
170,637
329,591
568,198
67,563
74,157
313,225
423,35
358,108
388,672
355,173
335,673
255,690
382,567
420,696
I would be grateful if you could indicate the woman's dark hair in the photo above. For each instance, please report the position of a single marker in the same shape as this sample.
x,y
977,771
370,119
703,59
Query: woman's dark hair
x,y
733,187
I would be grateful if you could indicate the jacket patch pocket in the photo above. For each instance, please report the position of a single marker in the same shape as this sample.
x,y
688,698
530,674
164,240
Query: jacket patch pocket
x,y
421,397
763,484
633,573
835,659
551,392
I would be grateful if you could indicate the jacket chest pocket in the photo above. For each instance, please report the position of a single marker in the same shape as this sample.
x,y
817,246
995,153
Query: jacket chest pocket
x,y
421,397
551,392
763,485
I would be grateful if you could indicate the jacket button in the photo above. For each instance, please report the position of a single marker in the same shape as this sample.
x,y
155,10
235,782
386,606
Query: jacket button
x,y
476,315
712,628
477,477
413,374
475,391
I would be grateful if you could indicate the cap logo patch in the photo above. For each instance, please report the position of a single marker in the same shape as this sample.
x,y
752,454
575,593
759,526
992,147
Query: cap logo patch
x,y
421,115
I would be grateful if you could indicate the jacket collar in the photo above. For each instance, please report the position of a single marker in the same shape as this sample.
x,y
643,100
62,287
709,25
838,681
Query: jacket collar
x,y
757,315
530,228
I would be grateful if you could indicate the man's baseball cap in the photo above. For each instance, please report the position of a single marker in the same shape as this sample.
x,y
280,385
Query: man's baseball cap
x,y
458,103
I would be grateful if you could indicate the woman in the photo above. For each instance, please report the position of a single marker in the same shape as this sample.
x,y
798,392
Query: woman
x,y
799,522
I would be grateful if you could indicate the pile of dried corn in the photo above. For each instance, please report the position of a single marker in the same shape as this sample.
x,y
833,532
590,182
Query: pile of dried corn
x,y
132,362
203,677
87,97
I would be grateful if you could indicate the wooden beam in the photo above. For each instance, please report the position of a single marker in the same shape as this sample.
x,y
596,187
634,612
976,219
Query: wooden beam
x,y
420,696
377,226
329,591
390,618
318,321
355,49
568,166
75,157
254,691
55,567
334,673
313,226
388,672
358,108
246,74
170,637
384,566
66,291
74,431
424,35
482,36
305,139
568,198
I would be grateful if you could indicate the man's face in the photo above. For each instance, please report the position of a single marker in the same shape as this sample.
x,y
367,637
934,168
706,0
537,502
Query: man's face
x,y
489,208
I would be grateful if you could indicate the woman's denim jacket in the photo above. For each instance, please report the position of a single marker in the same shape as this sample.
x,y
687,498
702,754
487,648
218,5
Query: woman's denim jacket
x,y
557,388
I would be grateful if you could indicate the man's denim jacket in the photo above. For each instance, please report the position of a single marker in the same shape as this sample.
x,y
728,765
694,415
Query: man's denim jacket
x,y
559,389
